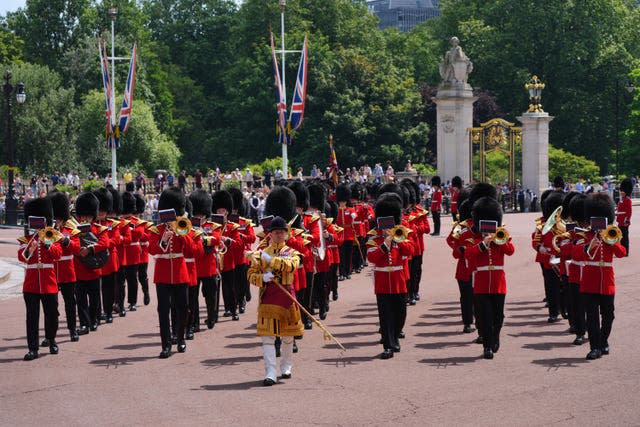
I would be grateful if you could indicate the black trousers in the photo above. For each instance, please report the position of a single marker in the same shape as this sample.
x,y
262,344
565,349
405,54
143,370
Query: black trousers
x,y
466,301
131,274
565,296
120,288
333,277
597,306
193,321
436,222
552,285
50,308
142,277
491,313
171,296
68,291
321,291
346,251
229,292
109,283
392,312
88,294
356,255
210,292
240,283
415,269
308,294
625,237
576,309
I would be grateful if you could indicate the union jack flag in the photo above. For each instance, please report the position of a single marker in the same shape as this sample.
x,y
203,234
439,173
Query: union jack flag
x,y
108,100
281,100
300,93
127,102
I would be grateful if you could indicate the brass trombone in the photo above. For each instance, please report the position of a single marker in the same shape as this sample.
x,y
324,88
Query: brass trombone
x,y
49,235
182,226
400,233
501,236
611,235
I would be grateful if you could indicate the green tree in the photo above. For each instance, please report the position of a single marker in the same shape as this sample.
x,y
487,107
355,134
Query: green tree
x,y
11,47
570,166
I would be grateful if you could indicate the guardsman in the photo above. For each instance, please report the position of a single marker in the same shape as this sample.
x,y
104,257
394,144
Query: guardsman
x,y
346,217
334,247
436,204
195,252
245,229
423,228
171,275
598,287
357,195
206,262
319,239
390,285
486,255
273,270
222,204
624,211
456,187
39,253
109,271
133,231
143,265
94,245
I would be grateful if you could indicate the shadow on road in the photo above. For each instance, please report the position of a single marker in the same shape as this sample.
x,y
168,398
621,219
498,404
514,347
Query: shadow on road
x,y
560,362
132,346
244,345
508,309
11,360
450,361
524,302
547,345
440,345
351,345
360,310
248,335
441,323
540,334
122,361
344,361
438,315
147,335
524,316
537,324
359,316
347,325
354,334
231,361
436,334
13,347
446,303
238,386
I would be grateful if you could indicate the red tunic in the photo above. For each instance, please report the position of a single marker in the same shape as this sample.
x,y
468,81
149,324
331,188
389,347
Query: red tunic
x,y
171,268
345,220
454,201
234,246
206,262
436,200
65,269
131,243
248,237
40,273
624,211
459,245
597,272
488,265
387,263
115,239
84,273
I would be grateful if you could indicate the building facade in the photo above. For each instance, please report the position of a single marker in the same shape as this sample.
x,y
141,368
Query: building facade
x,y
403,14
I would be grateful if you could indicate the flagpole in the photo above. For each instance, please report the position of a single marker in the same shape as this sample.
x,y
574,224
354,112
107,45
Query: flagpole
x,y
285,160
113,12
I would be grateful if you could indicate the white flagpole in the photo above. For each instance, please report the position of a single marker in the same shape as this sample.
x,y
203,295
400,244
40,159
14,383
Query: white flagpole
x,y
285,160
112,12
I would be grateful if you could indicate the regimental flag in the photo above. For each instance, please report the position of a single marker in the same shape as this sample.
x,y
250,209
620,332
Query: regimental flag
x,y
127,102
281,100
108,100
300,93
333,162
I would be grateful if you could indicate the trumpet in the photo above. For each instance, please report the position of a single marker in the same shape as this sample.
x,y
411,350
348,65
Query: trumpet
x,y
611,235
400,233
555,241
181,226
49,235
501,236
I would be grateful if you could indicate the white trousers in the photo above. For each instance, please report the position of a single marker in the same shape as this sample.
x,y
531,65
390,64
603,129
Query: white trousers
x,y
269,355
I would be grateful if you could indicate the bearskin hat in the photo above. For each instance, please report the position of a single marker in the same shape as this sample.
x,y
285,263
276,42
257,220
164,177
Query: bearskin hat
x,y
281,201
129,187
600,204
566,202
486,209
317,196
456,182
333,210
576,208
61,205
462,196
141,204
391,188
343,193
436,181
389,204
221,199
551,203
188,207
40,206
302,194
374,190
87,205
173,198
558,182
117,200
237,197
405,196
464,210
627,186
356,189
482,189
128,203
412,192
201,202
105,199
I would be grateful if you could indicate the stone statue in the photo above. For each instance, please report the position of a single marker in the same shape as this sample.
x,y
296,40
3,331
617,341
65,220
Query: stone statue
x,y
455,67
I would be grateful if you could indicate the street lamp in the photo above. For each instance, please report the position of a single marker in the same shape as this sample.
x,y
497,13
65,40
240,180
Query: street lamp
x,y
535,87
11,202
630,88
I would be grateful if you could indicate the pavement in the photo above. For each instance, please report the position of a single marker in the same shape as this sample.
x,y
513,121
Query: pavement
x,y
114,377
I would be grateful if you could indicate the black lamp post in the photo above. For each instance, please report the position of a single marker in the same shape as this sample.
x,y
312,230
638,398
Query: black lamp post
x,y
630,88
11,202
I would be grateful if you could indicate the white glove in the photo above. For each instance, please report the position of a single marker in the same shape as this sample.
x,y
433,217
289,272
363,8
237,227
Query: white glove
x,y
543,249
267,277
353,215
265,256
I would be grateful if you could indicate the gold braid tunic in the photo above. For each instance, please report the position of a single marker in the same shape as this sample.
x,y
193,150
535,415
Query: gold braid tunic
x,y
278,315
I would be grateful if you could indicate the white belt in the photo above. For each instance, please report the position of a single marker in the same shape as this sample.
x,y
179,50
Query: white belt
x,y
169,256
578,263
144,243
489,268
66,258
390,268
357,222
621,213
39,266
598,263
189,260
134,244
332,246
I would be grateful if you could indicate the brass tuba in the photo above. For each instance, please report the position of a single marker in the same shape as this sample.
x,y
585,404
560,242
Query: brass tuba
x,y
181,226
554,222
611,235
400,233
49,235
501,236
555,242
